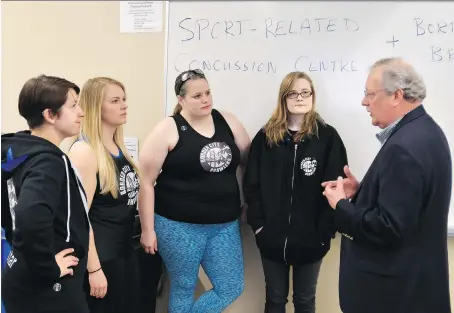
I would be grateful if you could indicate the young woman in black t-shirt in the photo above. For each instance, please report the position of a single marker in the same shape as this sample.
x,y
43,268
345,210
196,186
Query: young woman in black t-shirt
x,y
193,157
110,178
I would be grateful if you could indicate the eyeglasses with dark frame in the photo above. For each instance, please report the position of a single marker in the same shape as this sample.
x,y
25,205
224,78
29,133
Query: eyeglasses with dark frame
x,y
304,94
188,75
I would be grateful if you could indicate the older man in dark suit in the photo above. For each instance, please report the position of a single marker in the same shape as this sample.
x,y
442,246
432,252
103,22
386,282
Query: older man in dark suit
x,y
394,255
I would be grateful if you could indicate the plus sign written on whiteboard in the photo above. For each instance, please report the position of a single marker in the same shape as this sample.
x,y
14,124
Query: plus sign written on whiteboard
x,y
394,41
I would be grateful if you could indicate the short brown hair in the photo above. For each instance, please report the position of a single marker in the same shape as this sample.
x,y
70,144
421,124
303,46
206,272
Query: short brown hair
x,y
41,93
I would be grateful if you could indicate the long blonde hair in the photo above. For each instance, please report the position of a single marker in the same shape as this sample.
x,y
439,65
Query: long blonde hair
x,y
277,125
91,99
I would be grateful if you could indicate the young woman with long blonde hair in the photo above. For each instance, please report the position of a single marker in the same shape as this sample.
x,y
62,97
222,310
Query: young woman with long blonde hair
x,y
111,181
289,159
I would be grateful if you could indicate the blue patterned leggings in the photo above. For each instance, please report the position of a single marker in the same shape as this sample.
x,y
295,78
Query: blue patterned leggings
x,y
217,247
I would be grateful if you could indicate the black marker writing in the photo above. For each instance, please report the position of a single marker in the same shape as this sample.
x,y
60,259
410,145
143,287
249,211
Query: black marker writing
x,y
184,61
212,30
274,28
204,29
351,25
442,27
439,54
227,65
187,29
201,25
195,30
304,63
228,26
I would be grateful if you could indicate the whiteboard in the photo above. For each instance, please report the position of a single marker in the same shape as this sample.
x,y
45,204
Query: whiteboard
x,y
246,48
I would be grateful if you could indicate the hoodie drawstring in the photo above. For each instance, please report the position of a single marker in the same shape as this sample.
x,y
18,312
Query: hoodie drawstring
x,y
69,198
82,195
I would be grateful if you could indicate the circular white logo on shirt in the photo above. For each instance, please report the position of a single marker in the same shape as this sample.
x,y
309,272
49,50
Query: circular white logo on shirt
x,y
309,166
215,157
129,183
57,287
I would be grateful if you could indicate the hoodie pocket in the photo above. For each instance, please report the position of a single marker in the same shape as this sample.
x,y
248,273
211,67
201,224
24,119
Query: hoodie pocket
x,y
259,236
270,240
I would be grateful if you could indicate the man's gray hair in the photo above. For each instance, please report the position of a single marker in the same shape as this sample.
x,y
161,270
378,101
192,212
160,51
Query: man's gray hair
x,y
397,74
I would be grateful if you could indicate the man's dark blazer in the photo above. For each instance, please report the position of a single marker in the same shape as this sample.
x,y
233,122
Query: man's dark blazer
x,y
394,256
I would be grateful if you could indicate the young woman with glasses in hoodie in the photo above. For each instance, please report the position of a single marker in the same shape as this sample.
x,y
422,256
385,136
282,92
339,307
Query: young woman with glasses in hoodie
x,y
288,160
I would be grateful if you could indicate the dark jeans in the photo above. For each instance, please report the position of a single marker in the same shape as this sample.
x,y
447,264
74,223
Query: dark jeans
x,y
277,286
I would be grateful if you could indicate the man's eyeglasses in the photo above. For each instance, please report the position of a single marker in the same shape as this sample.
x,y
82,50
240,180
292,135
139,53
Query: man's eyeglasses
x,y
304,94
371,94
188,75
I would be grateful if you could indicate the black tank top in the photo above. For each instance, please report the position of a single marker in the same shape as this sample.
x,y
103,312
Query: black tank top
x,y
112,219
198,182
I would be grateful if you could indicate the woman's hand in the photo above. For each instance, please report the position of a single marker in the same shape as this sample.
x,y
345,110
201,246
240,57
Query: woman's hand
x,y
66,261
98,284
149,242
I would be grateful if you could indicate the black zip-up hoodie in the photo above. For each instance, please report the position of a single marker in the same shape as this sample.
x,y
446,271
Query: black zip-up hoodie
x,y
282,187
43,212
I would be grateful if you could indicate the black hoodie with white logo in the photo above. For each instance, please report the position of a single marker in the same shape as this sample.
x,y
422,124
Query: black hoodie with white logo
x,y
43,212
282,187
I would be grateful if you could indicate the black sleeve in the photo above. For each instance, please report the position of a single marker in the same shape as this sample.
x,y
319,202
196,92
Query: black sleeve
x,y
336,160
251,183
39,199
399,203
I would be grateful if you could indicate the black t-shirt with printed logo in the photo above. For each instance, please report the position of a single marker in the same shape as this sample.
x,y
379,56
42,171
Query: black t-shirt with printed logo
x,y
198,182
112,219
